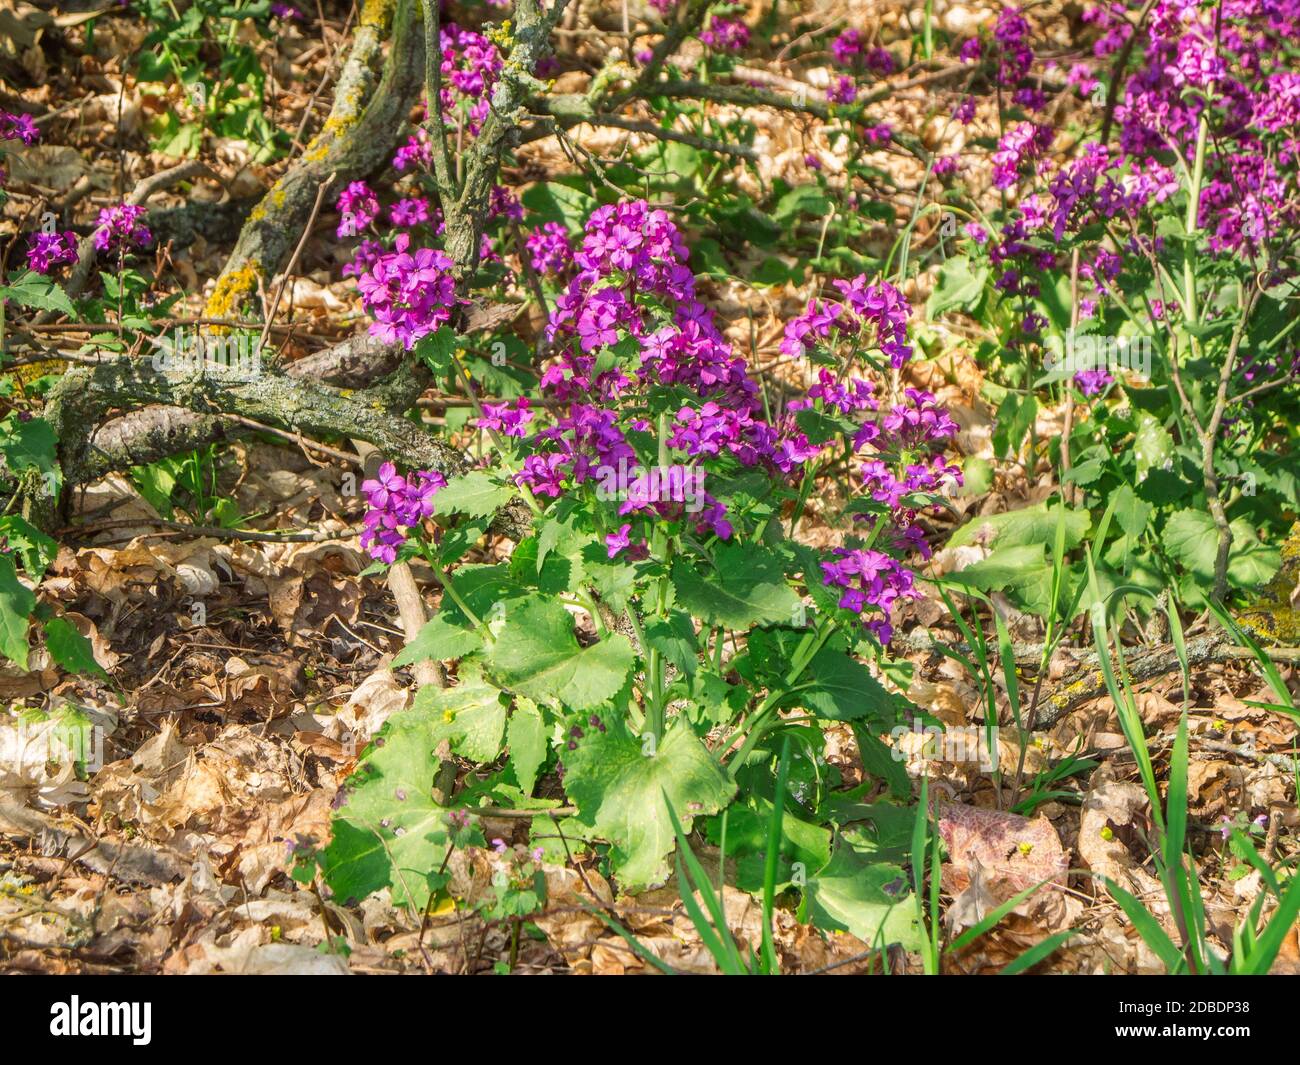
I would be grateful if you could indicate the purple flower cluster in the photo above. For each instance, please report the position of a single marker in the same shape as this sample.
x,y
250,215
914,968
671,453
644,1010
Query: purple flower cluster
x,y
409,294
549,248
119,228
46,251
725,34
842,90
869,578
358,206
416,153
849,50
506,418
471,65
632,296
880,304
1021,144
394,505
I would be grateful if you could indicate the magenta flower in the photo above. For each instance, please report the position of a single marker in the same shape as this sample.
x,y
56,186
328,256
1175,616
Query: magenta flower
x,y
119,228
48,250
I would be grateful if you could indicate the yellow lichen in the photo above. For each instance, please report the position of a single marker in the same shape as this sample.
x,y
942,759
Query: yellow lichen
x,y
377,12
1273,619
231,291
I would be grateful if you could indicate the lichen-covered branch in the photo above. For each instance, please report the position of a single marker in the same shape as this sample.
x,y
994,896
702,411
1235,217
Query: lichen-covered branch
x,y
359,136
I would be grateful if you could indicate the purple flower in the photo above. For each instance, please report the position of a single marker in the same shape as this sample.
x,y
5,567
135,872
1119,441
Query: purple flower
x,y
843,90
119,228
48,250
410,212
18,127
409,295
725,34
395,503
616,542
549,248
358,207
508,419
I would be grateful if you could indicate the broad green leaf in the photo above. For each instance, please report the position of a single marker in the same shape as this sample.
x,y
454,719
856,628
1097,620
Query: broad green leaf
x,y
70,649
538,655
961,285
16,605
555,202
870,899
1153,447
1029,525
470,715
475,494
746,587
618,783
30,445
673,636
1131,512
526,738
439,640
1191,539
389,833
844,690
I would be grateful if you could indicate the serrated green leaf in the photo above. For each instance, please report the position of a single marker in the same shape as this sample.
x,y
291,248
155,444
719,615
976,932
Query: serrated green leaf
x,y
470,715
869,899
526,738
35,549
38,292
619,792
439,640
538,655
745,587
475,494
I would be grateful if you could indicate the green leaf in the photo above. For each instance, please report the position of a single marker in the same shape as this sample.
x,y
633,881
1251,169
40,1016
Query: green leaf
x,y
389,832
1191,539
526,738
845,690
16,605
868,898
30,445
619,792
38,292
1131,512
746,587
1029,525
961,285
673,636
1153,447
70,649
439,640
474,494
1004,567
555,202
537,654
35,549
805,199
471,716
882,762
